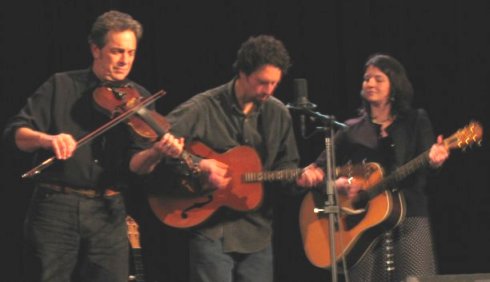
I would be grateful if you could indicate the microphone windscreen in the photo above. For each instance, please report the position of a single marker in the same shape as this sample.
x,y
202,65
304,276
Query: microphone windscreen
x,y
301,92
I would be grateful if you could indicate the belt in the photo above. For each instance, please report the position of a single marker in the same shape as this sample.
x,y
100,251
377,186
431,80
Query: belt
x,y
91,193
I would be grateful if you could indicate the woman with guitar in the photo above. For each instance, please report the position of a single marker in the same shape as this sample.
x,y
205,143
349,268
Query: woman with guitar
x,y
388,133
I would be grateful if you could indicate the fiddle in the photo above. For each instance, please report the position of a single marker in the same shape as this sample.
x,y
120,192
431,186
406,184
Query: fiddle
x,y
128,106
115,100
148,124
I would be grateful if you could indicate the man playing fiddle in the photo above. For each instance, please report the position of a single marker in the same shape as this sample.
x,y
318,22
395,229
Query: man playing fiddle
x,y
75,226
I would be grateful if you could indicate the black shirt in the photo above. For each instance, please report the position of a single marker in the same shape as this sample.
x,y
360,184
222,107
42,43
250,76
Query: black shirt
x,y
64,104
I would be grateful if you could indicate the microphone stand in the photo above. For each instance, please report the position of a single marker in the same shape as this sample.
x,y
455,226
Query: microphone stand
x,y
330,205
328,120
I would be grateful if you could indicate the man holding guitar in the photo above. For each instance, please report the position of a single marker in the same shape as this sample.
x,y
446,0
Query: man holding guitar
x,y
228,128
390,133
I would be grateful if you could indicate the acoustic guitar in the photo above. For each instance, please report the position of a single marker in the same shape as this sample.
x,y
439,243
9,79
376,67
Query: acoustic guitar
x,y
377,208
244,192
134,240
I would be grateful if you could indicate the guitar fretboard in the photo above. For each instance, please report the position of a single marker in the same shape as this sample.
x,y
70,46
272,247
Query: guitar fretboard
x,y
399,174
285,174
138,265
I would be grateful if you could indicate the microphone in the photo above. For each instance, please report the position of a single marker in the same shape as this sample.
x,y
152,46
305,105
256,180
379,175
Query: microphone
x,y
300,90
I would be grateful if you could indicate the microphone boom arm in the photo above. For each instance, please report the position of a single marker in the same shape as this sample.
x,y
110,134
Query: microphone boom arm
x,y
326,119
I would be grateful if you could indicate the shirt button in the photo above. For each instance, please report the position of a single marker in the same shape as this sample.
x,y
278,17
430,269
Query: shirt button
x,y
96,161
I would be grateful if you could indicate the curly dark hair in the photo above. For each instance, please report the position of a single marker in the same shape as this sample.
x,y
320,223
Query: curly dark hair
x,y
113,21
401,93
259,51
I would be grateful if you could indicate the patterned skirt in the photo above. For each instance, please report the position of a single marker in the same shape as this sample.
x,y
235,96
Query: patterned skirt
x,y
407,251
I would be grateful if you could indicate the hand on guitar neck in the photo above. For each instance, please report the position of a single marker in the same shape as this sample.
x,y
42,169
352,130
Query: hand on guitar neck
x,y
438,153
311,176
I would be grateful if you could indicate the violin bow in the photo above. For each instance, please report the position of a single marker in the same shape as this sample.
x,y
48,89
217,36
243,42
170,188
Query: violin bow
x,y
99,131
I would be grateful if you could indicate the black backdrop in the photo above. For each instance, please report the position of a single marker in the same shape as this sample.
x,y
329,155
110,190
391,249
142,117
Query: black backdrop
x,y
190,47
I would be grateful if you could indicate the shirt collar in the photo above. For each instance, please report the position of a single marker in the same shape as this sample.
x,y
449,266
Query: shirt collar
x,y
231,99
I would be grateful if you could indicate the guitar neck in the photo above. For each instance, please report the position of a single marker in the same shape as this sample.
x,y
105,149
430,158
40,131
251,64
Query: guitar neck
x,y
266,176
138,265
187,159
134,242
399,174
470,134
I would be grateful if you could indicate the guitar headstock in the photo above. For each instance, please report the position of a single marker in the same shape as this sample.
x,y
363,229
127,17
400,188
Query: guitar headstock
x,y
133,233
466,136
